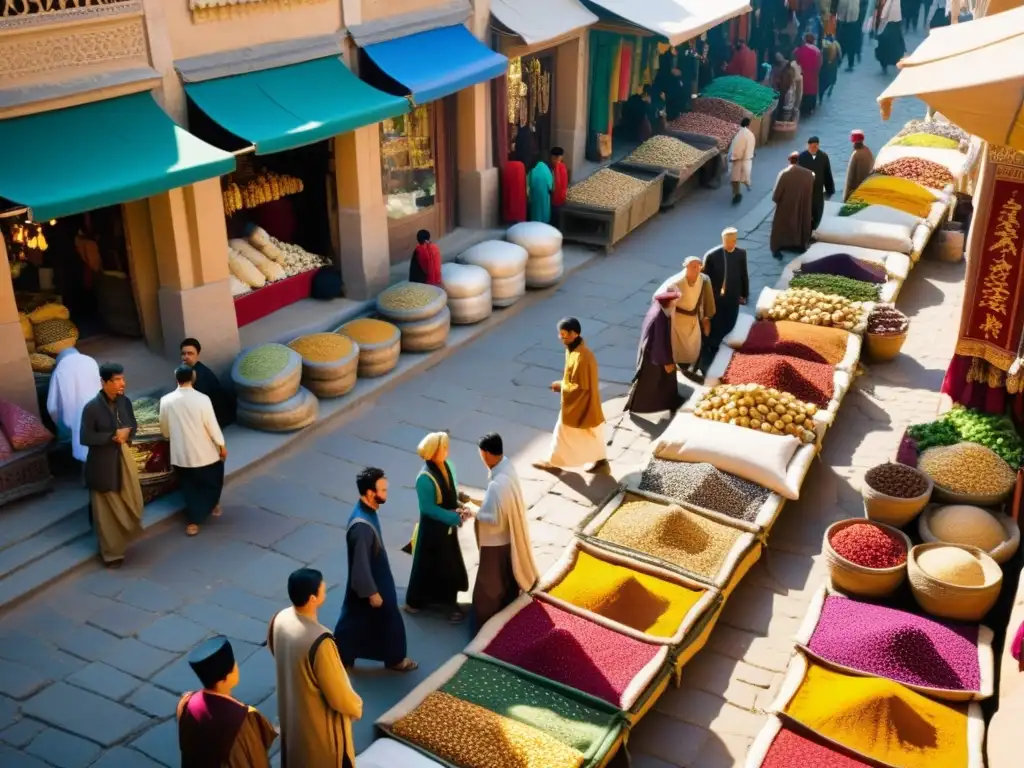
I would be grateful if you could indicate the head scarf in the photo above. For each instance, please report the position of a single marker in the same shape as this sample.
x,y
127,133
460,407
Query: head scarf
x,y
432,444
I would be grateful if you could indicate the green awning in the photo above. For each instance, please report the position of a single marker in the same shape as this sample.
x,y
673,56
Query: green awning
x,y
108,152
295,105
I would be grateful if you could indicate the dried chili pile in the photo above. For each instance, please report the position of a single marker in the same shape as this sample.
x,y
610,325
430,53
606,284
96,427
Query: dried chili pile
x,y
808,381
869,546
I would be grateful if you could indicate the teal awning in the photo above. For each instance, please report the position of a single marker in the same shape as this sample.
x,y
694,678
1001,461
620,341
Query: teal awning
x,y
295,105
108,152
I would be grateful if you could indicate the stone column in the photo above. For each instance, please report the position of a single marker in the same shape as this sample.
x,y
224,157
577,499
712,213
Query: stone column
x,y
190,235
171,94
570,99
138,230
478,179
362,219
18,384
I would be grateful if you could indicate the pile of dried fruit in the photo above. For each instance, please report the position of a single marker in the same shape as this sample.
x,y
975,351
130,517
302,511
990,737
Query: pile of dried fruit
x,y
886,320
802,305
721,131
811,382
896,480
752,96
869,546
720,108
606,189
755,407
665,152
924,172
967,468
836,285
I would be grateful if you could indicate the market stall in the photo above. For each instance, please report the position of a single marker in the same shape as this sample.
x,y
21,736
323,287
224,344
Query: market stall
x,y
605,207
683,165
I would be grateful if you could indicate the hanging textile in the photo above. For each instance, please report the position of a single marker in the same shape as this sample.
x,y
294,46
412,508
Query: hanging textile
x,y
603,50
625,70
636,72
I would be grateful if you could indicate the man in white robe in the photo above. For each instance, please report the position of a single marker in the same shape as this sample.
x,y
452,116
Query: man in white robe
x,y
74,382
741,159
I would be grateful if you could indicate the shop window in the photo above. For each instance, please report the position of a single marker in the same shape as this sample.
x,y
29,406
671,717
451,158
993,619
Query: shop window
x,y
529,107
408,163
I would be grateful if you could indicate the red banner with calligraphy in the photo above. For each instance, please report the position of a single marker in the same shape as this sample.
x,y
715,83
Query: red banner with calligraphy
x,y
993,316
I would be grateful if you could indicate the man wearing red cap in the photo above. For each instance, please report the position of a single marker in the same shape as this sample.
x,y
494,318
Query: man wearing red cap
x,y
862,162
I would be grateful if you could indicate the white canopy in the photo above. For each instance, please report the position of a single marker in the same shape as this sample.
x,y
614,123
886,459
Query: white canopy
x,y
677,20
973,73
537,21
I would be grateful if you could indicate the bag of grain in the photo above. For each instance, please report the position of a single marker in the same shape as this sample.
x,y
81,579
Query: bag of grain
x,y
46,312
244,270
54,336
269,373
329,363
426,335
537,238
26,326
296,412
499,258
469,292
270,269
407,302
379,345
544,271
238,288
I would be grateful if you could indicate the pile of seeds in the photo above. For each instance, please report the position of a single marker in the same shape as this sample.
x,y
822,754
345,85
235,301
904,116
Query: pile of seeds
x,y
834,285
899,646
672,534
886,320
465,734
264,362
573,651
952,565
925,172
367,331
967,468
934,127
606,189
896,480
869,546
704,485
665,152
406,296
805,380
720,108
721,131
791,749
808,342
845,265
322,347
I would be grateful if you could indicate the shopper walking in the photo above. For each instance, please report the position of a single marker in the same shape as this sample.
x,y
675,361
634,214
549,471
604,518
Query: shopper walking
x,y
889,28
808,57
726,267
540,184
690,312
849,30
793,196
561,184
817,161
655,387
741,160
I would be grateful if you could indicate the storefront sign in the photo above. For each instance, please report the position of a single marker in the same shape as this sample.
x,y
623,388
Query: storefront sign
x,y
994,300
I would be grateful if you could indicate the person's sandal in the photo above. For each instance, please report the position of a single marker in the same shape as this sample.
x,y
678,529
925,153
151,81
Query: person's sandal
x,y
191,530
217,511
407,665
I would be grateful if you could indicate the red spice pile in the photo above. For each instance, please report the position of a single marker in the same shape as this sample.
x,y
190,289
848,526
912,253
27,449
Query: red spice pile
x,y
791,749
869,546
809,381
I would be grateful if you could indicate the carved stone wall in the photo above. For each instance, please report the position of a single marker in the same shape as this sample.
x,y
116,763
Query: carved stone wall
x,y
14,8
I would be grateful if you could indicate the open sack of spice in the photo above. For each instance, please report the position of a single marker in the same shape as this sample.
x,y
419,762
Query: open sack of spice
x,y
705,546
776,462
944,660
475,712
957,163
842,275
848,230
781,744
881,720
896,263
565,648
816,343
804,305
877,214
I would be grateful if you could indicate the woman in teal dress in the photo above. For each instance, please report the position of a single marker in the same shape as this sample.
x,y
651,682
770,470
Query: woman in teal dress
x,y
540,182
438,570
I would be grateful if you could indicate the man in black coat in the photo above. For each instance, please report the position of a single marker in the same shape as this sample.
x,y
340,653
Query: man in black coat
x,y
726,268
815,160
208,383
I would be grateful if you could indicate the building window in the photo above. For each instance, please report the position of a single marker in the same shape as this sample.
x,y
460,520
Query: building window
x,y
408,174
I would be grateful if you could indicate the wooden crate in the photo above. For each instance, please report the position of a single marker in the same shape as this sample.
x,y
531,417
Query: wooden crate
x,y
766,124
646,204
678,182
711,173
594,226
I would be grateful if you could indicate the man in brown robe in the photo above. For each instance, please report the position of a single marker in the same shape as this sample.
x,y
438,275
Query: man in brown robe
x,y
214,729
579,437
862,163
793,197
315,701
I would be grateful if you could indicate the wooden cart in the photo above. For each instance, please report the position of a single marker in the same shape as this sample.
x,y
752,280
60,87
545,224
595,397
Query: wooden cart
x,y
678,183
604,227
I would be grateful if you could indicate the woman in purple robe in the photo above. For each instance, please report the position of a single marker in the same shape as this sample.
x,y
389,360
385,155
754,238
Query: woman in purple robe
x,y
655,387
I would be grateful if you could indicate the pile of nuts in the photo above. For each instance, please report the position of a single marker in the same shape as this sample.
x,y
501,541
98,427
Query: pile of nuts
x,y
665,152
896,480
869,546
967,468
886,320
802,305
606,189
756,407
924,172
696,122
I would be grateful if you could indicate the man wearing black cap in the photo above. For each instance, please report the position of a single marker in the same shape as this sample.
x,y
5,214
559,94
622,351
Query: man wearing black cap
x,y
215,730
816,161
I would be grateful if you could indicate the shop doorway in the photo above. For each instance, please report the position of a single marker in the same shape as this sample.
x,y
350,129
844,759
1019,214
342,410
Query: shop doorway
x,y
530,98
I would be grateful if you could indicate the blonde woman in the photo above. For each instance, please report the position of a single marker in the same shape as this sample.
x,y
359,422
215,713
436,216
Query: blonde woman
x,y
438,570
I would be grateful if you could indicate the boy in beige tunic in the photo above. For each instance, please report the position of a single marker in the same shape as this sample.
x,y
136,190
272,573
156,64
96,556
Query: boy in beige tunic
x,y
315,701
690,313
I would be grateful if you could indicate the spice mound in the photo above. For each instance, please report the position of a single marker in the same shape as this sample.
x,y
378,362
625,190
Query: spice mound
x,y
606,189
953,566
642,602
465,734
570,650
722,131
366,331
665,152
565,718
791,749
808,342
835,285
756,407
406,296
886,320
754,97
964,524
882,720
322,347
926,140
845,265
704,485
967,468
264,362
897,645
803,305
869,546
896,480
807,381
925,172
675,535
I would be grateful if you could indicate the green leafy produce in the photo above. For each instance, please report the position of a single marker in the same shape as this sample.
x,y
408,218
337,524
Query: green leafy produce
x,y
852,207
960,425
741,90
854,290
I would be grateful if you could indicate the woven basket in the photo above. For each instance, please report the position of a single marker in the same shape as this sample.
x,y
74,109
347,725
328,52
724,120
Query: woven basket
x,y
883,347
1000,554
950,601
892,510
856,579
977,500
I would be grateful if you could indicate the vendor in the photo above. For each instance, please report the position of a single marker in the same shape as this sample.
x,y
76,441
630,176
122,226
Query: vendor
x,y
208,383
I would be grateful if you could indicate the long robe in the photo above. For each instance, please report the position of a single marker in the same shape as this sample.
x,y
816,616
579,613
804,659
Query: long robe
x,y
889,26
559,191
654,389
217,731
862,163
208,383
579,432
362,631
540,183
792,224
696,303
438,570
73,383
809,58
741,156
824,184
730,283
743,63
513,192
315,700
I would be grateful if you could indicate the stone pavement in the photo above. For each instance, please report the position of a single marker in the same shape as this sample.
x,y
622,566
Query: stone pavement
x,y
91,668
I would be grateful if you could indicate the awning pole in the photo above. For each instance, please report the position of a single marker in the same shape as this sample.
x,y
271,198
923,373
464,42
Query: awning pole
x,y
10,214
246,151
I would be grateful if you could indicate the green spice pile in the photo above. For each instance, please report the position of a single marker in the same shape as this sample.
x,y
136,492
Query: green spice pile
x,y
852,207
264,362
741,90
835,285
147,410
994,431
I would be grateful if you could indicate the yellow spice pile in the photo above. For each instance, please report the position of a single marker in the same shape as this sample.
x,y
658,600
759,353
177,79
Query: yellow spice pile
x,y
366,330
322,347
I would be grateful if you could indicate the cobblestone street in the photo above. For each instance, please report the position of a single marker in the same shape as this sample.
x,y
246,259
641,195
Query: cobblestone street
x,y
91,668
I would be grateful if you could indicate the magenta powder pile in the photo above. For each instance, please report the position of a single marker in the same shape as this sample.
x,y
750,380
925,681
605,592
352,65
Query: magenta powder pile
x,y
563,647
869,546
900,646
